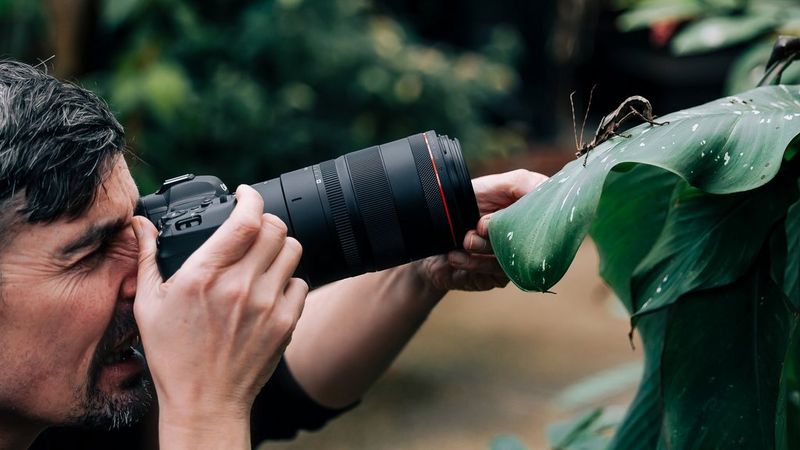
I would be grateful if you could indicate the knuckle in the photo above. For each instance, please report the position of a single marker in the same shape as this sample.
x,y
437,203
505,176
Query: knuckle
x,y
275,225
194,282
302,287
246,227
285,323
235,292
294,247
521,172
249,194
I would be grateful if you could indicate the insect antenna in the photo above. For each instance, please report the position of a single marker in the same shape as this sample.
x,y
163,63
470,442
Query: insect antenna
x,y
574,125
586,115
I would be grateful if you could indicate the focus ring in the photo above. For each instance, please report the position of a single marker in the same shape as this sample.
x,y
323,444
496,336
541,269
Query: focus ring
x,y
375,201
341,218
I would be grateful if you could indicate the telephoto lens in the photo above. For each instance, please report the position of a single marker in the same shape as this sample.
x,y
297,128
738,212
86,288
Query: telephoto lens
x,y
365,211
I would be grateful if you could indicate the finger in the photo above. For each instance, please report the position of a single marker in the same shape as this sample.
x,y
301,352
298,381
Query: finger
x,y
479,264
522,182
467,281
277,276
235,236
501,280
291,305
483,226
476,244
296,292
498,191
148,276
266,247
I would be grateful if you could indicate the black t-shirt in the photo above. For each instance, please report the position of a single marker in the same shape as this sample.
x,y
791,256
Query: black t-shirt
x,y
281,409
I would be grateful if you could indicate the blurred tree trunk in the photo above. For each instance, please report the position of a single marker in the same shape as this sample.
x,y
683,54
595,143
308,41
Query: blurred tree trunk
x,y
67,23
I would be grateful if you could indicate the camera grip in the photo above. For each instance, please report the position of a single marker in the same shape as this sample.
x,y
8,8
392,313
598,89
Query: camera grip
x,y
184,230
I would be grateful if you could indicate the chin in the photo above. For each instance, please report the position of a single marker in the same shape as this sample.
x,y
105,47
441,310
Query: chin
x,y
118,395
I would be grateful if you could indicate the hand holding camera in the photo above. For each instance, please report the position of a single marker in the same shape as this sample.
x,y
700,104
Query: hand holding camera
x,y
214,332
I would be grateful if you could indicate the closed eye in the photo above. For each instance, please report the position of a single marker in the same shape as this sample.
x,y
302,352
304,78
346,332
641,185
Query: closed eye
x,y
91,259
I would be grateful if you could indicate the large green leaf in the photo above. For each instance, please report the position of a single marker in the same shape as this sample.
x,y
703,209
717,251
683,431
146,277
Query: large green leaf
x,y
642,425
791,275
714,33
630,217
728,145
722,362
702,244
653,12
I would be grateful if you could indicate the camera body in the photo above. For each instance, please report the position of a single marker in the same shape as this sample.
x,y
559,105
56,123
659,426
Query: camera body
x,y
368,210
187,210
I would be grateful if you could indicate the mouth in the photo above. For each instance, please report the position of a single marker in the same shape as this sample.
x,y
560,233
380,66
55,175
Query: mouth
x,y
124,350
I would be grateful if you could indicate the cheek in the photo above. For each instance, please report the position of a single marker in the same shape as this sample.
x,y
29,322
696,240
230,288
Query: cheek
x,y
49,332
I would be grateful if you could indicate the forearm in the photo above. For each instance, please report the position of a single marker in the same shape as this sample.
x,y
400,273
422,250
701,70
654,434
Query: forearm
x,y
352,330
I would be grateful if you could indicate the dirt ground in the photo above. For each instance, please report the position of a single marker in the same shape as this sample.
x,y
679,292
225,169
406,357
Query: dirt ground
x,y
493,363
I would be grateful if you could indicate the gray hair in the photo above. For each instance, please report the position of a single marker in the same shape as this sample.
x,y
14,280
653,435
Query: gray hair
x,y
57,141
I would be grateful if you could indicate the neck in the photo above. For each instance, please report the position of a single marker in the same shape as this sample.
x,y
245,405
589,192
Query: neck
x,y
17,434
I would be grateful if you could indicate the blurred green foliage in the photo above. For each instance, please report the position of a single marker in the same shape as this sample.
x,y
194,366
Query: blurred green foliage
x,y
704,26
20,21
247,90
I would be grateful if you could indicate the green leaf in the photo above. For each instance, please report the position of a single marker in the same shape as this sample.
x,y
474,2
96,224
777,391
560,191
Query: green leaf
x,y
708,241
791,276
642,424
588,431
630,216
115,12
718,32
788,417
721,366
729,145
646,15
749,66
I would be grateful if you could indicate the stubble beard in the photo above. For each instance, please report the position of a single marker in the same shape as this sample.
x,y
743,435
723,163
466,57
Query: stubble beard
x,y
131,400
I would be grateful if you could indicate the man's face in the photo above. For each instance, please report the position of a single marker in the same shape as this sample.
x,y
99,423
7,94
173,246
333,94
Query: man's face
x,y
66,314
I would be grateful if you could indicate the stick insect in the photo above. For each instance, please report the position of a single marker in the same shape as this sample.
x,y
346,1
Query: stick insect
x,y
633,106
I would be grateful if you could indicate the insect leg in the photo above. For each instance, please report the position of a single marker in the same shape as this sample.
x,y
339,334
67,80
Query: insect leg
x,y
646,119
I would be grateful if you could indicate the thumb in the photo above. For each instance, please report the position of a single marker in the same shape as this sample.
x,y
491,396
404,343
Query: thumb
x,y
146,235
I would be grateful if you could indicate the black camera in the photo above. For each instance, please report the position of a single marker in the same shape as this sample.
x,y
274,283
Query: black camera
x,y
365,211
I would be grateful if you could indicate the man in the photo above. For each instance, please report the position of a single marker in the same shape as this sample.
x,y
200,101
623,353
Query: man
x,y
76,267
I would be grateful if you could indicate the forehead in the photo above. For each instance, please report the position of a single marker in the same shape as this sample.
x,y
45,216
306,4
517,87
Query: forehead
x,y
117,191
115,199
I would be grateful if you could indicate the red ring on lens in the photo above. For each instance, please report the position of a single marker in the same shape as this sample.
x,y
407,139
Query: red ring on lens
x,y
441,191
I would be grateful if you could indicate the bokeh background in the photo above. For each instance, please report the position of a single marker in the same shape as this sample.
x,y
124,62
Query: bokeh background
x,y
247,90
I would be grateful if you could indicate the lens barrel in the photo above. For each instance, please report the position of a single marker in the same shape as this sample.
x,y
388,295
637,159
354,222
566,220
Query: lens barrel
x,y
376,208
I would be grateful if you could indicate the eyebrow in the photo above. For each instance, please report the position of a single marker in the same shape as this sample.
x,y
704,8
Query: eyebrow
x,y
94,235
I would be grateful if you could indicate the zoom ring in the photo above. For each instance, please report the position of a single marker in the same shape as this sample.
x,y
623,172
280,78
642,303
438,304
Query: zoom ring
x,y
375,201
341,218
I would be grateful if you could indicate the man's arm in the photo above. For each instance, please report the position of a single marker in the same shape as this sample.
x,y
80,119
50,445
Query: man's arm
x,y
352,330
